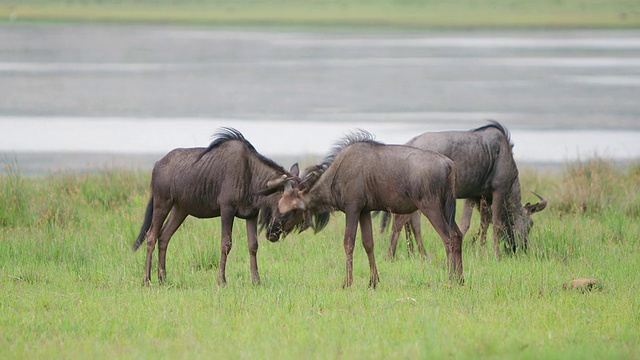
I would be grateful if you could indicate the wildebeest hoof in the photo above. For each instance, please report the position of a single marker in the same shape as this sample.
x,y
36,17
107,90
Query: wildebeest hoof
x,y
583,284
146,282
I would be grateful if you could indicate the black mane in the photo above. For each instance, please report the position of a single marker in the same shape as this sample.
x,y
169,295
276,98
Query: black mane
x,y
496,125
359,135
225,134
313,173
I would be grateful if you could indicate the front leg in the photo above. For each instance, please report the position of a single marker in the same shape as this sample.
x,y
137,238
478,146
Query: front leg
x,y
485,219
397,224
367,242
252,240
467,212
351,228
414,222
226,218
499,231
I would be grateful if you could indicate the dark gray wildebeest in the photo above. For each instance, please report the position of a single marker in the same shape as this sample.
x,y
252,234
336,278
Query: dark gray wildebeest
x,y
361,175
220,180
487,178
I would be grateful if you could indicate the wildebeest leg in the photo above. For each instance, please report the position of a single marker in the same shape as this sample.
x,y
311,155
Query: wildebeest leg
x,y
465,220
452,239
252,240
497,207
399,220
160,212
408,236
485,220
226,218
351,228
176,218
367,243
417,235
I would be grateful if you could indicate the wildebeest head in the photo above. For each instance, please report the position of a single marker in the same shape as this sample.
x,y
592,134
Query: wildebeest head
x,y
293,211
282,223
521,223
270,217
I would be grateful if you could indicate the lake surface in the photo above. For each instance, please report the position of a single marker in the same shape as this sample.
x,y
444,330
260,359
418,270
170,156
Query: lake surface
x,y
107,92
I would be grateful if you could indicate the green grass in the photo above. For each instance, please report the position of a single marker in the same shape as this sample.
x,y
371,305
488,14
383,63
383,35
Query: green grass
x,y
70,286
370,13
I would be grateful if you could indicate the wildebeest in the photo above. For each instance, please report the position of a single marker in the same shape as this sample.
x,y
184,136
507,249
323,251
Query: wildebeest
x,y
361,175
220,180
487,178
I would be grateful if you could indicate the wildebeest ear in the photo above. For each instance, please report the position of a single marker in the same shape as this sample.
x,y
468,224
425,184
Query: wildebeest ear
x,y
533,208
295,170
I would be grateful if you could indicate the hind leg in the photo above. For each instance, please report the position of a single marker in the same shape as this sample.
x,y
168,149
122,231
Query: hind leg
x,y
398,222
451,237
367,243
160,212
176,218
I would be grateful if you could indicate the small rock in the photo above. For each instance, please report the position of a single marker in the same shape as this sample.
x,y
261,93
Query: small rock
x,y
583,284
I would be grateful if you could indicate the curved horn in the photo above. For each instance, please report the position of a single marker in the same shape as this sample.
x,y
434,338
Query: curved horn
x,y
533,208
277,182
274,185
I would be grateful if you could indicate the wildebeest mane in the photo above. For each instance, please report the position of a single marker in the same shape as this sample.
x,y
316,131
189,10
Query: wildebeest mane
x,y
225,134
496,125
359,135
313,173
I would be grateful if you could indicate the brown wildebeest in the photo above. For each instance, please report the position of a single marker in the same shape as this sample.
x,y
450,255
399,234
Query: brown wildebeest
x,y
220,180
487,178
361,175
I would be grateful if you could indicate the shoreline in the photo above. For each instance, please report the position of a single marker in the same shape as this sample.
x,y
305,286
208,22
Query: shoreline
x,y
34,164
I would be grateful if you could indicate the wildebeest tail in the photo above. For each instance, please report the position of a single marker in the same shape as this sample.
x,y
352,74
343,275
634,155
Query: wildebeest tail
x,y
146,224
450,199
450,209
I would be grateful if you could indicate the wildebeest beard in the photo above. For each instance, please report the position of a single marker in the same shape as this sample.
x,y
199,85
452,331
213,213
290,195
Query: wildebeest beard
x,y
283,225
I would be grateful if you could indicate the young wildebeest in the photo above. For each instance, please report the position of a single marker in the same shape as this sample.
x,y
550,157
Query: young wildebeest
x,y
487,178
220,180
361,175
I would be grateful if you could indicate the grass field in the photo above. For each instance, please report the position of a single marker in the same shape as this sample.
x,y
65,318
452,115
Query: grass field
x,y
71,286
369,13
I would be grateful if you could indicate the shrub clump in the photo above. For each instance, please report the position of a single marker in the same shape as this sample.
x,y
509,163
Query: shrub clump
x,y
597,185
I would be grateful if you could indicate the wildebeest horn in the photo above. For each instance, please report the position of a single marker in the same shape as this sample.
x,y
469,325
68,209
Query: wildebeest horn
x,y
532,208
278,182
275,184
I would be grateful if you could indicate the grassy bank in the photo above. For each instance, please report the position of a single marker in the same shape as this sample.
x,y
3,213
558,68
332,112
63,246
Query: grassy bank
x,y
71,284
371,13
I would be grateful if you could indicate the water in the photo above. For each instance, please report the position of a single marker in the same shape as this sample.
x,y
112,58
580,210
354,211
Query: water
x,y
119,93
285,138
